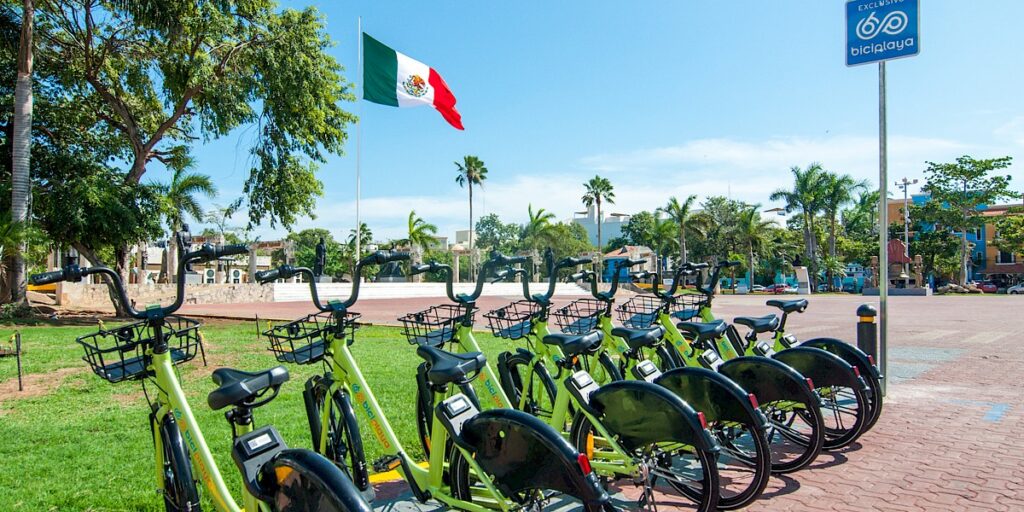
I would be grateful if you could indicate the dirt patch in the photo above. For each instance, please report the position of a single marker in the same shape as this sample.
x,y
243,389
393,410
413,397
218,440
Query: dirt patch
x,y
36,384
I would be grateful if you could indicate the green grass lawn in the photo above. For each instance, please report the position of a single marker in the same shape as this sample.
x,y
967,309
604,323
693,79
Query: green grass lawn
x,y
73,441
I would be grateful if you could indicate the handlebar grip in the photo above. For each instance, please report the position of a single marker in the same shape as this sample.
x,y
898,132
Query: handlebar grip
x,y
230,250
579,275
419,269
47,277
382,257
398,256
266,276
698,266
516,259
501,276
728,264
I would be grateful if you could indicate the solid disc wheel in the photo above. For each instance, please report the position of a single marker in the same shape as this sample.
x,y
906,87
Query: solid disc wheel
x,y
530,390
344,443
844,411
744,463
180,492
795,438
686,472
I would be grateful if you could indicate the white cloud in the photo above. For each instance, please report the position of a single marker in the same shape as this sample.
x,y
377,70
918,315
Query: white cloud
x,y
747,170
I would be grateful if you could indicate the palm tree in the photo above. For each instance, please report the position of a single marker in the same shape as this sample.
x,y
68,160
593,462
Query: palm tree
x,y
537,233
838,192
21,147
472,171
682,215
755,234
809,187
662,239
598,190
420,234
365,238
179,200
13,237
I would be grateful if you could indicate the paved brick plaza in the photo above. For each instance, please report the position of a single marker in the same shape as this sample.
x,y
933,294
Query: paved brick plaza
x,y
950,437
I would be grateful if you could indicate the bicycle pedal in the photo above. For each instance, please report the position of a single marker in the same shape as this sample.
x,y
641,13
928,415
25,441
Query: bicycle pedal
x,y
387,463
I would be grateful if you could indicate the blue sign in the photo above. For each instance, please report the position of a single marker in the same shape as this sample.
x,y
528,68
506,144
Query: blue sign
x,y
879,30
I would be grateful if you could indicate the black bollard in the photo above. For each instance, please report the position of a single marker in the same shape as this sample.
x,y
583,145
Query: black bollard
x,y
867,331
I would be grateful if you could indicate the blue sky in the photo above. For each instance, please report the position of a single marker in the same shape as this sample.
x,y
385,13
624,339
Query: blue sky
x,y
663,98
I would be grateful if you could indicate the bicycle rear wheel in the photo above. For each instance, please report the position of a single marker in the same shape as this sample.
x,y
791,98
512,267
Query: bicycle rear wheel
x,y
796,434
344,443
744,463
844,411
302,481
179,487
687,472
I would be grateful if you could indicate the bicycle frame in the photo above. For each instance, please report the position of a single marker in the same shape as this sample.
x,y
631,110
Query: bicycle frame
x,y
464,340
349,378
170,399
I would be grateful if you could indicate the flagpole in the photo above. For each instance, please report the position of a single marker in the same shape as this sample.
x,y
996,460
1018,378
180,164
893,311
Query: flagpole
x,y
359,138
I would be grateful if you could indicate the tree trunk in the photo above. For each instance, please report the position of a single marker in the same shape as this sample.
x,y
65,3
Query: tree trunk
x,y
172,255
963,257
682,244
21,193
750,269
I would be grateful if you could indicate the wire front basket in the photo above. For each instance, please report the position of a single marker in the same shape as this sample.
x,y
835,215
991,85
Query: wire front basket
x,y
437,325
686,306
305,340
119,354
579,316
513,321
640,312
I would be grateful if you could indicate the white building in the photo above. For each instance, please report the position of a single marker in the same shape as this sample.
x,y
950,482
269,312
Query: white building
x,y
611,225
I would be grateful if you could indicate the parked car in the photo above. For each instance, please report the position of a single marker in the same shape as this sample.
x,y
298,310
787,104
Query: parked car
x,y
988,287
757,288
780,288
1016,289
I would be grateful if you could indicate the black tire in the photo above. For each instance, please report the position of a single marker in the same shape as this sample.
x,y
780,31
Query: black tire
x,y
304,481
180,491
744,463
794,431
875,400
344,442
844,412
704,498
611,370
539,392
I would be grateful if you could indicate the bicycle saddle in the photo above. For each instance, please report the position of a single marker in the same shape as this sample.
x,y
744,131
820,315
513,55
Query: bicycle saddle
x,y
575,344
704,331
759,324
448,367
237,387
789,306
638,338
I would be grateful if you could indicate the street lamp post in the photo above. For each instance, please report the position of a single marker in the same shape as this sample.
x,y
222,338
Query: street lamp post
x,y
903,184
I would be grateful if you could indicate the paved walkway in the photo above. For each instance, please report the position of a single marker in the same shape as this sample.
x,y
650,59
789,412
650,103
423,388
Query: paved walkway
x,y
950,437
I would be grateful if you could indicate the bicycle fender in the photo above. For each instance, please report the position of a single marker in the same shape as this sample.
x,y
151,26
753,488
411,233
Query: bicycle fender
x,y
847,352
641,413
522,452
823,368
769,380
718,397
296,479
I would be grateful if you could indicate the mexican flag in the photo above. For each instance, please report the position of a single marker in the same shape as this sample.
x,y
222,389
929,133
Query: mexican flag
x,y
391,78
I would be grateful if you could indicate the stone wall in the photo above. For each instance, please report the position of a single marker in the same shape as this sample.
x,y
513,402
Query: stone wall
x,y
95,296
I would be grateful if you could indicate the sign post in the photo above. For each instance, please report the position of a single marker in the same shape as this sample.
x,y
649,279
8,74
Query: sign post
x,y
877,31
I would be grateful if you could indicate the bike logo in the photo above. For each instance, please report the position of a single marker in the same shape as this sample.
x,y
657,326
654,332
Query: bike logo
x,y
892,24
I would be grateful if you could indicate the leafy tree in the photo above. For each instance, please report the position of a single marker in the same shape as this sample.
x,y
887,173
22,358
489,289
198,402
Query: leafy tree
x,y
220,217
494,235
640,229
365,239
933,245
14,236
230,237
179,200
207,68
537,232
598,191
958,189
304,249
663,240
1010,232
838,191
419,236
472,171
753,234
683,216
719,214
615,244
569,239
807,198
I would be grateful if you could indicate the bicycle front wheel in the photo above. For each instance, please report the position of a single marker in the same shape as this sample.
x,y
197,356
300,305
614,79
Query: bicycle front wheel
x,y
179,487
344,444
528,384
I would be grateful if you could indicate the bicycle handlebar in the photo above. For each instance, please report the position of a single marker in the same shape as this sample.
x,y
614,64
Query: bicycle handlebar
x,y
497,259
74,273
288,271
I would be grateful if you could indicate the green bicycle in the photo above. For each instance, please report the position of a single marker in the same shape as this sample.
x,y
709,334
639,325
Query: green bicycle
x,y
785,396
478,461
276,478
742,462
